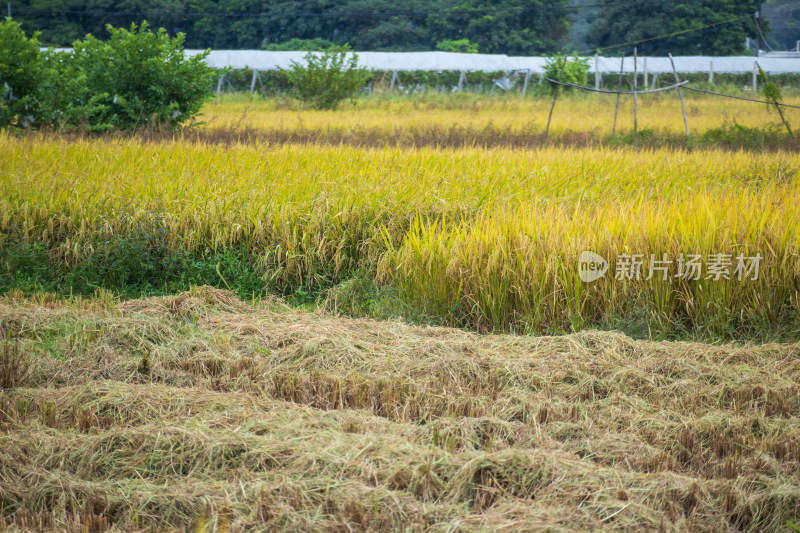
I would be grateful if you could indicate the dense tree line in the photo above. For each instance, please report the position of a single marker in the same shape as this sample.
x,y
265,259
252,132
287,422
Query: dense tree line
x,y
696,27
504,26
514,27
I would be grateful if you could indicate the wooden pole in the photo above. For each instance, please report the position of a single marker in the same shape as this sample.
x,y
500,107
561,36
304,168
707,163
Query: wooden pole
x,y
755,77
711,72
555,95
253,81
619,88
680,94
596,72
644,69
635,122
526,82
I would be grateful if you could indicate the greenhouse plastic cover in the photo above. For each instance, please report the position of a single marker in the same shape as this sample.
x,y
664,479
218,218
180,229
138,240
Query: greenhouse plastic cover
x,y
437,61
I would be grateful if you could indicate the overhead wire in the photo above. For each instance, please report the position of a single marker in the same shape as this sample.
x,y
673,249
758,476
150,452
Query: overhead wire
x,y
343,13
665,36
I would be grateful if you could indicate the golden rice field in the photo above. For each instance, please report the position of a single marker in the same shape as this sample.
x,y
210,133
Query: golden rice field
x,y
472,120
376,319
484,239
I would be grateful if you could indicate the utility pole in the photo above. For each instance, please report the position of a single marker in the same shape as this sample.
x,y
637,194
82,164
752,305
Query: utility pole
x,y
635,122
757,16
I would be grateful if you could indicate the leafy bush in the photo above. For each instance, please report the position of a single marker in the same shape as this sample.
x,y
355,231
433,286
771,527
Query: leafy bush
x,y
735,136
64,99
20,70
136,77
327,78
40,88
463,46
292,45
575,71
646,136
143,77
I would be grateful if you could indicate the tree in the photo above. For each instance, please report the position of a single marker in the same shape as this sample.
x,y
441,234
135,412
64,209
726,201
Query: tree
x,y
635,24
327,78
784,18
63,21
574,71
143,77
514,27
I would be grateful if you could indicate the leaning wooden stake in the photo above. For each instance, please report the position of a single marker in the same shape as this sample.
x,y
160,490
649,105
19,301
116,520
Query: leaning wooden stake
x,y
635,122
772,95
527,81
680,95
555,95
644,71
253,81
619,88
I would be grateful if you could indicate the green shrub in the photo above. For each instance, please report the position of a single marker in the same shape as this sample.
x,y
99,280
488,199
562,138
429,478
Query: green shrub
x,y
64,98
735,136
575,71
463,46
134,262
21,68
134,78
292,45
646,136
143,77
327,78
40,88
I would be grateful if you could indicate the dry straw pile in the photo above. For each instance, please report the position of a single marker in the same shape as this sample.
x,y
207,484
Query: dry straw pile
x,y
202,412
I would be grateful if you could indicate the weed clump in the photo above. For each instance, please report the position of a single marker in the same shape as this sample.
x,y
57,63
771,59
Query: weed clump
x,y
15,365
